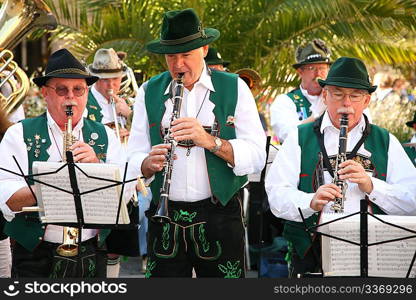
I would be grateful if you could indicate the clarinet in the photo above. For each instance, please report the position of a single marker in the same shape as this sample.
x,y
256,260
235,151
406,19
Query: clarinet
x,y
338,205
162,214
319,171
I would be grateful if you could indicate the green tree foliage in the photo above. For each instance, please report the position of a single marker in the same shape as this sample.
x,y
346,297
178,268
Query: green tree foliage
x,y
259,34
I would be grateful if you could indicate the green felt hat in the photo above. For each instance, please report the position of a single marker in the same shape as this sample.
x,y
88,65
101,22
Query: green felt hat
x,y
214,58
410,123
349,73
182,32
315,52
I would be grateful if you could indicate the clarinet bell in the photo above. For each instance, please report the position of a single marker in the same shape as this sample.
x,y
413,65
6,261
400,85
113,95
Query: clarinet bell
x,y
161,215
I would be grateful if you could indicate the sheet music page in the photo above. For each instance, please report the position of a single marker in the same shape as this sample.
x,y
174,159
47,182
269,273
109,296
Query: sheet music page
x,y
340,256
392,259
385,260
99,207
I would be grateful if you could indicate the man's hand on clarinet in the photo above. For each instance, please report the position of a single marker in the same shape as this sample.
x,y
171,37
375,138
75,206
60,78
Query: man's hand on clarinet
x,y
190,129
354,172
83,153
154,162
324,194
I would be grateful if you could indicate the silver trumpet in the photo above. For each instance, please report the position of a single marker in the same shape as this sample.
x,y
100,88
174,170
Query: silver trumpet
x,y
162,214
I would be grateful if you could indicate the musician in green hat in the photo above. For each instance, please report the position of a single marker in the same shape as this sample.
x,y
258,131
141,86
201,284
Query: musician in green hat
x,y
304,103
376,166
219,141
214,60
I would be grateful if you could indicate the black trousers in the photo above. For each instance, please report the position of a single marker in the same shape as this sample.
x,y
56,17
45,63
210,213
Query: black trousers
x,y
44,262
204,235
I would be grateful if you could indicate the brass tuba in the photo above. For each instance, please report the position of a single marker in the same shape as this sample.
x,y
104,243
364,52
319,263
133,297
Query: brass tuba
x,y
17,19
251,77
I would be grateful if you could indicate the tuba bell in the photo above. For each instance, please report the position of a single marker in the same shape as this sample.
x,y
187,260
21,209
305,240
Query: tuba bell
x,y
250,77
17,19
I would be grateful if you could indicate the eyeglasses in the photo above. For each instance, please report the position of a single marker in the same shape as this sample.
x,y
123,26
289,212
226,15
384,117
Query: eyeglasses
x,y
78,91
339,96
315,68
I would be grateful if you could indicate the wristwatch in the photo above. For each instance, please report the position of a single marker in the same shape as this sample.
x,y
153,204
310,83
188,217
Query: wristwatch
x,y
218,144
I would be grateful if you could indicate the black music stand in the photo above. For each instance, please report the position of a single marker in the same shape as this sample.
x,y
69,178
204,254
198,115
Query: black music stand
x,y
363,244
71,165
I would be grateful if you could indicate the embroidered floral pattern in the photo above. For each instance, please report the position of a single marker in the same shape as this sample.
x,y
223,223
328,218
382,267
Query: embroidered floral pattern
x,y
165,236
202,238
149,267
231,270
183,215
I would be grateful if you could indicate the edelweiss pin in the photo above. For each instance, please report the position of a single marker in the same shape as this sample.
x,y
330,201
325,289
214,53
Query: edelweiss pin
x,y
230,121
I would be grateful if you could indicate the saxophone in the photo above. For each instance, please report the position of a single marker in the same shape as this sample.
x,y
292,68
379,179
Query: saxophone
x,y
338,205
162,215
69,246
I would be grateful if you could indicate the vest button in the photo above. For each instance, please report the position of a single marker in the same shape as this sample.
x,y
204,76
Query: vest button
x,y
40,238
43,227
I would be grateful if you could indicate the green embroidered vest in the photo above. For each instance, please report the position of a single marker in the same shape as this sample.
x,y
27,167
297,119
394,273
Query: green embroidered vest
x,y
302,103
411,152
26,228
224,184
94,108
377,143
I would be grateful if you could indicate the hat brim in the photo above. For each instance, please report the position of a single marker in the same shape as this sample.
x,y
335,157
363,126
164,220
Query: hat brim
x,y
106,75
296,66
351,85
155,46
217,62
41,81
410,123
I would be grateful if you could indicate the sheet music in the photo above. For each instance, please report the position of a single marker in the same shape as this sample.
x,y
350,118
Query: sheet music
x,y
385,260
99,207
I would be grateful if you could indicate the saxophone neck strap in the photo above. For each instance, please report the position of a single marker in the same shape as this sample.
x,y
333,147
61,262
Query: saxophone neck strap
x,y
317,129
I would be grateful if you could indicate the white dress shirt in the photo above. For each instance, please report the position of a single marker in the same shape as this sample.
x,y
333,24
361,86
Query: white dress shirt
x,y
190,180
283,115
14,145
106,107
396,195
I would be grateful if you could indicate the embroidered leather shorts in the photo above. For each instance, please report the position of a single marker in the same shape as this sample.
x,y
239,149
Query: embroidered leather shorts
x,y
204,235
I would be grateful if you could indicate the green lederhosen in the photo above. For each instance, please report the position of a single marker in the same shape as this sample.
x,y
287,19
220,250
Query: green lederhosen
x,y
302,103
93,108
26,228
224,186
377,143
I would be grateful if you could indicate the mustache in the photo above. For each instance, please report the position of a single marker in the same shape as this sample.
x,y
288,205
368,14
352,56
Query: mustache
x,y
345,110
69,103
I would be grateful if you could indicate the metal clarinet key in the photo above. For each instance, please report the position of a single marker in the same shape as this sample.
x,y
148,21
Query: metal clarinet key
x,y
69,246
162,214
338,205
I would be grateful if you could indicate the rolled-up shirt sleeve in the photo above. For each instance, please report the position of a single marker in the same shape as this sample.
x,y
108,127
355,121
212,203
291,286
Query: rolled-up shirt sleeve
x,y
282,181
249,147
139,144
12,145
396,195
